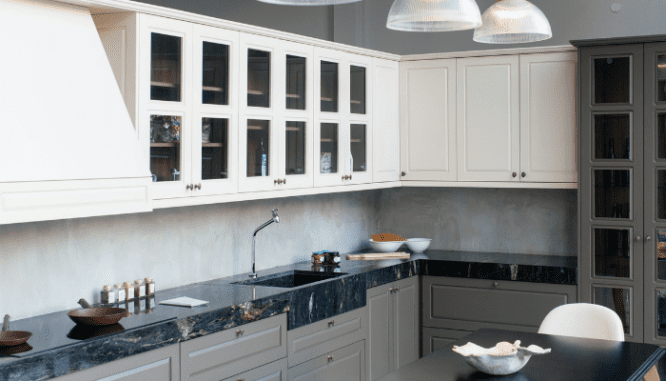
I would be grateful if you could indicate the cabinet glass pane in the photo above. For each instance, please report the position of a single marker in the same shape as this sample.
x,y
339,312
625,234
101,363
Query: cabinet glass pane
x,y
611,193
661,254
358,148
329,148
661,313
215,83
612,136
611,252
612,80
295,149
661,194
165,149
661,135
258,78
618,300
329,86
165,67
357,86
296,82
661,78
258,133
214,148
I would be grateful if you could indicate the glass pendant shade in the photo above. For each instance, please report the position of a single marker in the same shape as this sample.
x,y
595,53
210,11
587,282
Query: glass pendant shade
x,y
512,22
433,15
308,2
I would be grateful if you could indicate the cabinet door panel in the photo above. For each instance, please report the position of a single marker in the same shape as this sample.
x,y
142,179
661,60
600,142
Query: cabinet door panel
x,y
385,116
406,325
548,121
380,350
346,364
428,120
275,371
435,339
488,118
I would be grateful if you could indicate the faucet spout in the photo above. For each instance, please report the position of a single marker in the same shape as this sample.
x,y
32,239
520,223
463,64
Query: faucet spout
x,y
275,219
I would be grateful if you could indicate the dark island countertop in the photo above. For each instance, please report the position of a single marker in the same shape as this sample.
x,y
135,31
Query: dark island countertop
x,y
59,347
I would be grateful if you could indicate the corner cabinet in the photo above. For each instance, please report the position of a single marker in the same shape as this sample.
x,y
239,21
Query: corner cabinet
x,y
622,196
496,121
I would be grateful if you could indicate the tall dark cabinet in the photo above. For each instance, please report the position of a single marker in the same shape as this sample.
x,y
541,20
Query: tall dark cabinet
x,y
622,184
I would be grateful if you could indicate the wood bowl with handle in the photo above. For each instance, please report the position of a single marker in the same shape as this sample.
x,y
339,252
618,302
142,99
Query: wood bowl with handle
x,y
11,338
97,316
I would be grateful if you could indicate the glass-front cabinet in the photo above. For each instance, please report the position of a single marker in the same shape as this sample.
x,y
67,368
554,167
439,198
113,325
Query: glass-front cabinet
x,y
276,133
343,120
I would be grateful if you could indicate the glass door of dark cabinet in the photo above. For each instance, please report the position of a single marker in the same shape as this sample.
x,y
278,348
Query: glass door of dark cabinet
x,y
296,82
357,89
611,184
329,92
258,78
166,153
166,67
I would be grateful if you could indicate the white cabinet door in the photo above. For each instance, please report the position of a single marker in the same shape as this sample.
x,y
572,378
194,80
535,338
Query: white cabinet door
x,y
488,118
548,121
386,121
215,105
428,119
359,147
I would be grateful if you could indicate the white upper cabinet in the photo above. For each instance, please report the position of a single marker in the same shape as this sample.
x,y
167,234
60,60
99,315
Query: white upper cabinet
x,y
428,119
548,121
488,118
342,118
386,121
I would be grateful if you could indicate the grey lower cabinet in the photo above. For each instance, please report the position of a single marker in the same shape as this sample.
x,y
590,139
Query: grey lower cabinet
x,y
234,351
344,364
275,371
435,339
457,304
393,339
158,365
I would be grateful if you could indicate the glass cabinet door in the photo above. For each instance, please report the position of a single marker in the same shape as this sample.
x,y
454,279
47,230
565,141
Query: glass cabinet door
x,y
329,86
165,147
166,54
357,86
215,74
296,82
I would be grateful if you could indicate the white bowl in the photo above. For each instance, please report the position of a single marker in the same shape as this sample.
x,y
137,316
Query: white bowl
x,y
502,359
418,245
386,246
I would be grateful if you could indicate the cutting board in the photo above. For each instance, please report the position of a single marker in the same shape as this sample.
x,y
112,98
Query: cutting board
x,y
377,256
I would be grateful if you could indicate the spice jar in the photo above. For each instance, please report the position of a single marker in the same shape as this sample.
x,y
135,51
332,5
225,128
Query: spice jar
x,y
150,286
120,293
129,290
108,295
139,289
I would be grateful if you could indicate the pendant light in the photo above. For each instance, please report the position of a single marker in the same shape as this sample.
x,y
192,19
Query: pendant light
x,y
433,15
309,2
512,22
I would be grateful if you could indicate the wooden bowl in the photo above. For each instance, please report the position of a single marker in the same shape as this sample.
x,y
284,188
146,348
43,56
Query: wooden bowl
x,y
12,338
98,316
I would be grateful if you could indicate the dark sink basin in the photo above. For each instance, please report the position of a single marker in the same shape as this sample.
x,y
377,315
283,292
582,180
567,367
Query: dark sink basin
x,y
290,279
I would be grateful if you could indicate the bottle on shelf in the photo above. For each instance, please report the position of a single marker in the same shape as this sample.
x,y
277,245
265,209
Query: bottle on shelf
x,y
150,286
129,290
120,293
264,158
108,295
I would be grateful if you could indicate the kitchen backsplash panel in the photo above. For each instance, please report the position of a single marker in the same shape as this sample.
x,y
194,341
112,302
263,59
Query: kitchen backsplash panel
x,y
520,221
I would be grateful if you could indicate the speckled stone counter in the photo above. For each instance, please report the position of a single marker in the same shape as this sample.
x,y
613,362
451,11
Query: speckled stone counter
x,y
59,347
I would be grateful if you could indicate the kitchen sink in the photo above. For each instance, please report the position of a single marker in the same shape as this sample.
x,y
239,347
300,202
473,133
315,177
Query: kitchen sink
x,y
290,279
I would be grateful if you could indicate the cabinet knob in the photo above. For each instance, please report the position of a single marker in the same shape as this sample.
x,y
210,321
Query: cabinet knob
x,y
397,289
523,174
189,187
350,177
330,358
239,332
514,174
276,181
391,289
198,186
284,181
404,173
331,323
638,238
495,284
647,238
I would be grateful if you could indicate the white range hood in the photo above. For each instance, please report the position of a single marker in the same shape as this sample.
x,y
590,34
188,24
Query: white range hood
x,y
67,145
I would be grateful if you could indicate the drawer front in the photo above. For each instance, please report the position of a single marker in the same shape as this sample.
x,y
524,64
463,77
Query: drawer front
x,y
470,304
436,339
275,371
233,351
345,364
157,365
318,338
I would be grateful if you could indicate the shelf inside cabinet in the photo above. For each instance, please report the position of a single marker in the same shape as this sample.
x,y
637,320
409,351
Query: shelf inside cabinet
x,y
164,145
212,145
162,84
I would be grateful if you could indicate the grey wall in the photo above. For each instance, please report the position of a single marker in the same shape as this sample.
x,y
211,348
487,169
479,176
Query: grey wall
x,y
524,221
48,266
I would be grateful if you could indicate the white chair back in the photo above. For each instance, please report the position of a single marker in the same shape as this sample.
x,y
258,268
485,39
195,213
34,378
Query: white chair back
x,y
583,320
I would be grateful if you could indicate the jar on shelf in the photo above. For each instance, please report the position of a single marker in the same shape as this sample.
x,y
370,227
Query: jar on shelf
x,y
108,295
121,294
129,290
150,286
139,289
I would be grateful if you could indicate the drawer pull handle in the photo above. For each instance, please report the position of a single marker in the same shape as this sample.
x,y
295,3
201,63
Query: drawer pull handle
x,y
189,187
397,289
239,332
331,323
330,358
391,289
198,186
495,284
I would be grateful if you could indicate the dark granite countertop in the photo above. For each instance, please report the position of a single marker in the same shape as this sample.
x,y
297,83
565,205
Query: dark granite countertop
x,y
59,347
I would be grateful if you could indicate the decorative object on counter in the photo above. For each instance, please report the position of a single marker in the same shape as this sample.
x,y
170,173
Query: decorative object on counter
x,y
139,289
433,15
318,258
108,295
275,219
386,246
120,293
96,316
512,22
377,256
384,237
418,245
12,338
309,2
184,301
502,359
150,286
129,290
327,258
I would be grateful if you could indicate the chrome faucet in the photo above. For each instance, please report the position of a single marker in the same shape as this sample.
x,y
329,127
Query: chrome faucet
x,y
275,219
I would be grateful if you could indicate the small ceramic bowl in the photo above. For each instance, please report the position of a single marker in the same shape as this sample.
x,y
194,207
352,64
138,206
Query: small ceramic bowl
x,y
386,246
502,359
418,245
